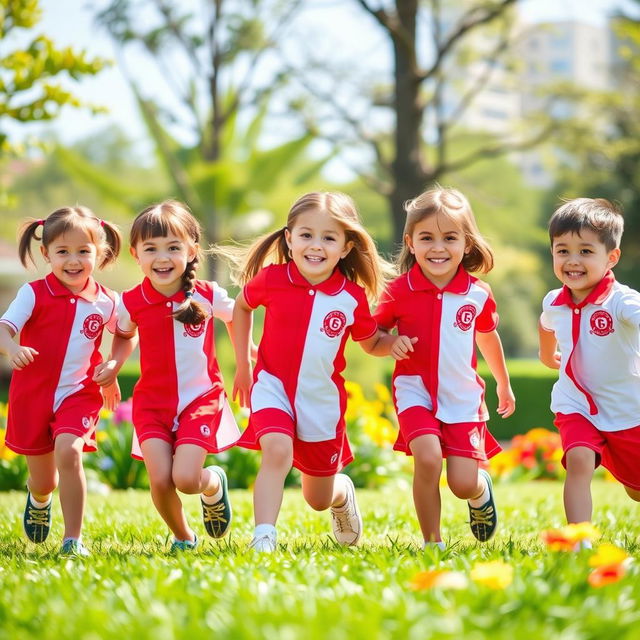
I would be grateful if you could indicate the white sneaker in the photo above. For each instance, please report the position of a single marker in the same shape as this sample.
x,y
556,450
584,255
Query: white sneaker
x,y
346,520
265,543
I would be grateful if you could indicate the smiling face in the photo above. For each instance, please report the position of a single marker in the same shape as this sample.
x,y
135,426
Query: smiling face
x,y
72,256
581,261
439,246
317,242
164,260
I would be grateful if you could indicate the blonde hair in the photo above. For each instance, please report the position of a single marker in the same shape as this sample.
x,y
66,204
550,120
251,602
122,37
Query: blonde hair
x,y
363,265
451,204
175,218
104,235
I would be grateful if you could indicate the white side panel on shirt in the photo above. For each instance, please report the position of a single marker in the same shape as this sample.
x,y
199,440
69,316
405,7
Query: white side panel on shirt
x,y
268,393
317,398
411,392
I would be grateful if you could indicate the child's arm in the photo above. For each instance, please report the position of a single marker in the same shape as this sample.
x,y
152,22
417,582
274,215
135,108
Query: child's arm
x,y
253,348
19,356
383,343
491,349
548,352
106,373
242,324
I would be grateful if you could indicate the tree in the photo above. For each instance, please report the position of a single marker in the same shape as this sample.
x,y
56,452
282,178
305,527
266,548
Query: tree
x,y
406,125
218,69
30,75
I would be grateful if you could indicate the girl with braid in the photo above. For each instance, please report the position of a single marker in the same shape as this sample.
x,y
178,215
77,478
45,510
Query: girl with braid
x,y
180,410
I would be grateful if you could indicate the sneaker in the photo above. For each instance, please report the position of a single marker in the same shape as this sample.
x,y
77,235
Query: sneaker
x,y
73,548
217,517
265,543
37,522
183,545
346,520
484,520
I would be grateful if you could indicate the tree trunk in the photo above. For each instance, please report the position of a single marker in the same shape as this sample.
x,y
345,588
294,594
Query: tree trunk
x,y
409,175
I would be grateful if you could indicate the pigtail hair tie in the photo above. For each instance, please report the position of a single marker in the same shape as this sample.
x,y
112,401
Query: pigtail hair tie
x,y
188,294
40,222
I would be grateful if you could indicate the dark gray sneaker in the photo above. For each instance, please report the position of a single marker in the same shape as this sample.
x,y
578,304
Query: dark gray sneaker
x,y
484,520
37,522
217,517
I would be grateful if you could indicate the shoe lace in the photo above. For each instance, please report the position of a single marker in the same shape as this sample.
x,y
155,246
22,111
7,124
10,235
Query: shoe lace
x,y
262,540
482,516
214,513
38,517
343,519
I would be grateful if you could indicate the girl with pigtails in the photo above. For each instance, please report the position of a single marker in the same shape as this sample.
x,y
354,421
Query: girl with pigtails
x,y
58,373
180,410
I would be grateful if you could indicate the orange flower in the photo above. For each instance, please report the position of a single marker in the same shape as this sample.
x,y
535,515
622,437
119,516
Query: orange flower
x,y
566,538
607,574
438,578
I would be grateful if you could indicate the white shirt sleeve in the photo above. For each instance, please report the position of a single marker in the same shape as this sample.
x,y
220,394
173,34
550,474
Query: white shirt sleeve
x,y
112,322
222,303
545,321
629,307
124,324
20,309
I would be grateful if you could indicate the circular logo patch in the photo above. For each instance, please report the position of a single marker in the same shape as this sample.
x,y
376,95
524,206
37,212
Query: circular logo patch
x,y
465,316
601,323
333,324
194,330
92,326
205,431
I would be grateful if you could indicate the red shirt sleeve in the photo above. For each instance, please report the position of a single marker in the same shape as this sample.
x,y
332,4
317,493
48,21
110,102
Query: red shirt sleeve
x,y
255,291
385,314
488,318
364,326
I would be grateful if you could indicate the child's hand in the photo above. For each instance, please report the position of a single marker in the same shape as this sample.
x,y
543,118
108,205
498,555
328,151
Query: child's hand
x,y
506,401
22,357
111,396
242,386
105,374
402,346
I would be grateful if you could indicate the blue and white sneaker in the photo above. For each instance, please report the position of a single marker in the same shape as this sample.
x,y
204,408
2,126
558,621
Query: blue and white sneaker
x,y
183,545
36,521
72,548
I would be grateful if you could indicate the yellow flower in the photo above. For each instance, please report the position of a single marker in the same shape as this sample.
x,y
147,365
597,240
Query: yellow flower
x,y
582,531
105,414
495,574
438,578
101,436
382,391
607,554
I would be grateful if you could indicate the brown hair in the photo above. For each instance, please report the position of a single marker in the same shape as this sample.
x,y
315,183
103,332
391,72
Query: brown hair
x,y
104,235
597,214
453,205
173,217
362,264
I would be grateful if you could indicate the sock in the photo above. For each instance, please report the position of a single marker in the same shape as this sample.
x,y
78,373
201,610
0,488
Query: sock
x,y
39,505
195,538
343,506
483,497
64,540
216,497
429,545
265,529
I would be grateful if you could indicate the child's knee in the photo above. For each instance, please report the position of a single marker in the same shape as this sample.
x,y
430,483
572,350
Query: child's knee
x,y
580,461
427,462
463,487
278,452
42,486
161,483
318,503
68,457
187,480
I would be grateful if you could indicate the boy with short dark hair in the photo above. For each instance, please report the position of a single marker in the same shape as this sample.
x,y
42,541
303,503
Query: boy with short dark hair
x,y
595,322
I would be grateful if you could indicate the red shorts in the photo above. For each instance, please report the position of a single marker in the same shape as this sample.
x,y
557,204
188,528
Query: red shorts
x,y
207,422
77,415
464,439
617,451
321,459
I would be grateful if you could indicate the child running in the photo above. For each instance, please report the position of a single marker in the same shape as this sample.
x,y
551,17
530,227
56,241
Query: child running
x,y
180,410
439,397
595,322
315,296
54,395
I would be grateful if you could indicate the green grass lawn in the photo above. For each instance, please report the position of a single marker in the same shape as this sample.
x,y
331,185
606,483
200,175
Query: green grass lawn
x,y
132,588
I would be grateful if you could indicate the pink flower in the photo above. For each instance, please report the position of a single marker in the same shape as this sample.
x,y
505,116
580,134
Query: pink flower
x,y
123,412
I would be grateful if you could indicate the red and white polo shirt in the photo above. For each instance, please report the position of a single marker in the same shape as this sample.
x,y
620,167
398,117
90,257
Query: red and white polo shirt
x,y
66,330
441,373
599,340
177,361
301,354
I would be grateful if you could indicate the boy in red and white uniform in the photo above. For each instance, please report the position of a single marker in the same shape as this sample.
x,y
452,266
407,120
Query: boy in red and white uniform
x,y
590,330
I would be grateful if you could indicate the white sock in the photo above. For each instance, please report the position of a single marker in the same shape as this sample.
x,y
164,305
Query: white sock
x,y
483,497
265,529
71,538
341,478
40,505
216,496
427,545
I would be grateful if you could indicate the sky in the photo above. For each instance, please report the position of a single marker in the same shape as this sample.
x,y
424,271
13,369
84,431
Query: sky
x,y
70,22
